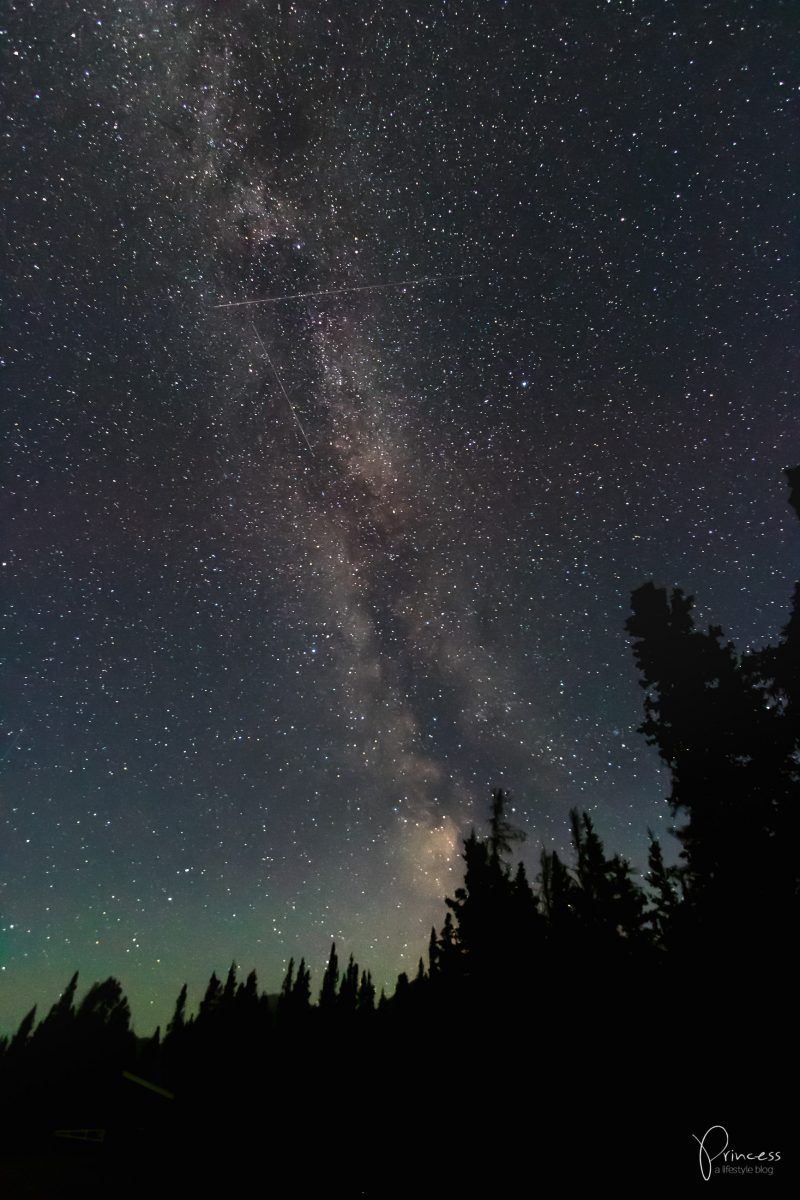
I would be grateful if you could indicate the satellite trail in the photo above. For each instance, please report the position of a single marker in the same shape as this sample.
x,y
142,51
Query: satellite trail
x,y
366,287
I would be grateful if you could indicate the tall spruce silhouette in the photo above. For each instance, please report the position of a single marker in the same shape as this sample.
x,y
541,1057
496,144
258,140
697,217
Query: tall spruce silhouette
x,y
664,882
330,983
726,726
494,929
178,1021
609,904
295,997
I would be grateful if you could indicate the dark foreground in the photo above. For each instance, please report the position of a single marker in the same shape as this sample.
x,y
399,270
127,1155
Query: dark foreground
x,y
582,1097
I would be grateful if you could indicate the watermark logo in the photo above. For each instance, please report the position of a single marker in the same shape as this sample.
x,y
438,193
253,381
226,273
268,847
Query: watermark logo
x,y
715,1148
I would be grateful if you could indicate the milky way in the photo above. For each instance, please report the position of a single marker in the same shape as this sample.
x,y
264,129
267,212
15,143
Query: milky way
x,y
289,587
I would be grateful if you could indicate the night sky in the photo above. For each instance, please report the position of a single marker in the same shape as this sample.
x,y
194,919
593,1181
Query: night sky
x,y
288,588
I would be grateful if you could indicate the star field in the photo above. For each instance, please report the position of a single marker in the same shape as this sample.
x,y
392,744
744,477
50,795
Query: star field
x,y
289,587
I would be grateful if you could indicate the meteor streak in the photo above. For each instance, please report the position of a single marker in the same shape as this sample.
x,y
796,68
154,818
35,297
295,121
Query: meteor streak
x,y
283,389
365,287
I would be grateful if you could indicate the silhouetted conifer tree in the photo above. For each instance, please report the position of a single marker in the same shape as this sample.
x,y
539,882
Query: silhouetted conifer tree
x,y
627,901
287,988
557,894
101,1041
229,991
495,930
731,754
247,994
178,1020
502,834
55,1029
348,990
105,1007
447,949
591,897
21,1038
664,883
301,992
401,991
212,999
608,903
366,994
64,1007
330,982
433,954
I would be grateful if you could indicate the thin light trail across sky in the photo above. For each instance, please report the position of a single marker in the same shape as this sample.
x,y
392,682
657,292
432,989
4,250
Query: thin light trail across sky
x,y
366,287
283,389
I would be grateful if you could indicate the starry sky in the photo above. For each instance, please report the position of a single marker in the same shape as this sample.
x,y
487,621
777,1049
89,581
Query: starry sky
x,y
289,587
